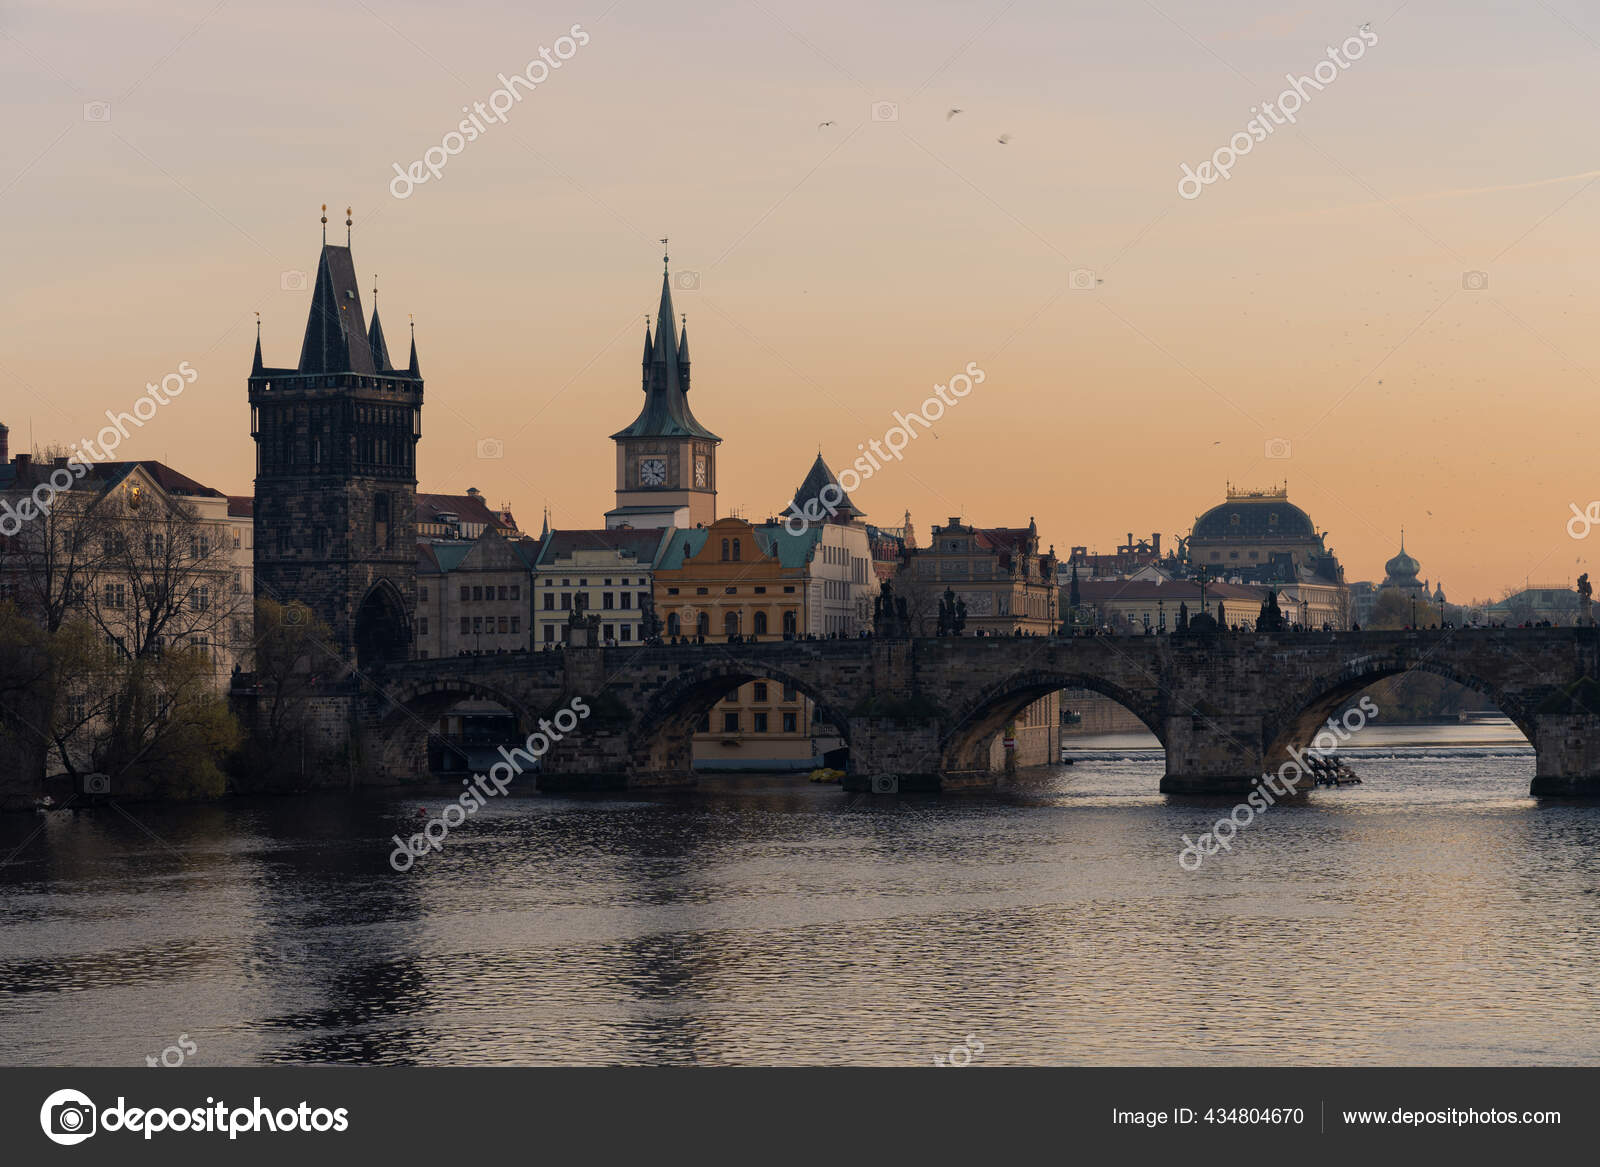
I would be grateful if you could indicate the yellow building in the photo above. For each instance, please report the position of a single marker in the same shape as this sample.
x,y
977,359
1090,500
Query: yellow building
x,y
735,578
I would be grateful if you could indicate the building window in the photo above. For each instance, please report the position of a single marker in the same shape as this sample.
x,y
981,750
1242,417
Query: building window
x,y
702,624
549,601
516,625
477,594
380,520
760,624
730,623
516,591
625,600
422,593
504,624
607,600
466,593
736,543
466,625
760,692
627,632
422,625
725,549
611,631
566,601
673,625
789,693
549,633
760,720
790,624
705,723
730,723
477,625
791,723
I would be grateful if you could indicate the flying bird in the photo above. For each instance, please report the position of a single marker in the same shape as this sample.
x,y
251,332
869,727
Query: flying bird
x,y
1003,139
821,124
952,113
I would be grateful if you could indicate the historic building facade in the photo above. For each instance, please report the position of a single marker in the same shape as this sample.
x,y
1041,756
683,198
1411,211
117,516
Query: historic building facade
x,y
476,597
336,484
1009,588
1259,537
605,573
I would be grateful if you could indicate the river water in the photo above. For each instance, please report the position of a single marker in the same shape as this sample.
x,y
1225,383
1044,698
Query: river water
x,y
1433,915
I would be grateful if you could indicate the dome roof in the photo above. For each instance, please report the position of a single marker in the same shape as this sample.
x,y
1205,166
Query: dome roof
x,y
1402,566
1267,516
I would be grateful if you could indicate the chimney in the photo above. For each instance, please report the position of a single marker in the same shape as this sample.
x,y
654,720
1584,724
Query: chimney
x,y
5,444
1155,543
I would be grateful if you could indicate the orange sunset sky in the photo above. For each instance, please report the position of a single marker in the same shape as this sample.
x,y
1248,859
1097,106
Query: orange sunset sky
x,y
1316,296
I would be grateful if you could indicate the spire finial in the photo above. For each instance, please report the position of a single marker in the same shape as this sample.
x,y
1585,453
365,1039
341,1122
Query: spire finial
x,y
347,223
374,291
258,327
664,256
324,224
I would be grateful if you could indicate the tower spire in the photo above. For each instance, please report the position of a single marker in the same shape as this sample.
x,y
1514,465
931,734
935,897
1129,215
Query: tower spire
x,y
324,224
347,223
256,368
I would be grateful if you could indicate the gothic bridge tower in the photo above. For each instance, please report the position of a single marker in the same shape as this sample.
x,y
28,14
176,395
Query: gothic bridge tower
x,y
336,471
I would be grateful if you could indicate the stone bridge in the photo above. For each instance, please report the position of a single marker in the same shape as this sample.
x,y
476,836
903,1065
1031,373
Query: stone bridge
x,y
1225,707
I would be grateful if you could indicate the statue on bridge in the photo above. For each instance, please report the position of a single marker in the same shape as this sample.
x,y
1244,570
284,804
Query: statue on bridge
x,y
889,613
1585,592
1271,617
952,613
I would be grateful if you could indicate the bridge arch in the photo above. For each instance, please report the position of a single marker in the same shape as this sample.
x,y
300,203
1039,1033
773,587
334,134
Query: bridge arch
x,y
965,740
663,730
1297,717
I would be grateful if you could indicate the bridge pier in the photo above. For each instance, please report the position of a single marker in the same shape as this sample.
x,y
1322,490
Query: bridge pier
x,y
1213,753
906,749
1567,764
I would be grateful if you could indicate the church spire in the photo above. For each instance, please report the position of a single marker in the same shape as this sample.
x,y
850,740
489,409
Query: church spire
x,y
375,340
415,369
256,368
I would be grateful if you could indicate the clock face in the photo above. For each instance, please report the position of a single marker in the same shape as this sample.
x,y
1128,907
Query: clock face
x,y
701,470
653,471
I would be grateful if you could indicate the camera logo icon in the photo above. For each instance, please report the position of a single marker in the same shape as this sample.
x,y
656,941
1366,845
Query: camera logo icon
x,y
686,281
1277,448
491,448
1082,279
885,111
68,1117
292,281
1474,281
294,614
97,111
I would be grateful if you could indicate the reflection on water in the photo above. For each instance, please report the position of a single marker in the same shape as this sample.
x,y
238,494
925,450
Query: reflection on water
x,y
1435,914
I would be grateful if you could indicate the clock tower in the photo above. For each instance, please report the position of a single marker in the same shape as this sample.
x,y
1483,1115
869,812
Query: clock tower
x,y
666,460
